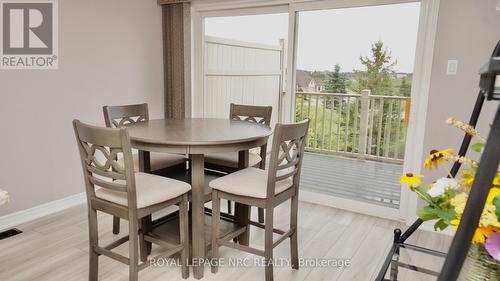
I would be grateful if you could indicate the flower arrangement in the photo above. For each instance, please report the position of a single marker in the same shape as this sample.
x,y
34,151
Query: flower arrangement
x,y
446,197
4,197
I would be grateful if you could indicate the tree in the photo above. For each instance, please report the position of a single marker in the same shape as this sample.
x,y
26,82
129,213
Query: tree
x,y
378,66
335,81
377,78
405,88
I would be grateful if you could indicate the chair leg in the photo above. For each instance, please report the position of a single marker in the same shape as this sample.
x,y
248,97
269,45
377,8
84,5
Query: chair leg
x,y
149,228
116,225
236,215
242,213
133,249
268,247
93,241
294,250
229,207
261,215
142,242
184,235
215,229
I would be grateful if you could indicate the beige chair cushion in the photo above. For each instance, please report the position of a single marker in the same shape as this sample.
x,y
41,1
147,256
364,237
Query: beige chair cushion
x,y
159,160
150,190
251,182
230,159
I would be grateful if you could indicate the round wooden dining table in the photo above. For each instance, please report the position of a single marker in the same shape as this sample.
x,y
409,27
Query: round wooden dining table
x,y
196,137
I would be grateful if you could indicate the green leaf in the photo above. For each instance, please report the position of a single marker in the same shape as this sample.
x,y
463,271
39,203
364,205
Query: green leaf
x,y
440,224
422,193
477,147
430,213
496,202
445,215
427,213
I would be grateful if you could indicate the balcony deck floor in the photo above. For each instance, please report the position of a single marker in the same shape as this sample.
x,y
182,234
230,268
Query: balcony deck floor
x,y
366,181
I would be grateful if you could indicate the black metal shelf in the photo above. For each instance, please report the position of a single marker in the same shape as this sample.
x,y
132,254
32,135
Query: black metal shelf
x,y
477,197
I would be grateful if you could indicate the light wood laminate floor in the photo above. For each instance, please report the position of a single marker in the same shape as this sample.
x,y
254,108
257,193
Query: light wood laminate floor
x,y
56,248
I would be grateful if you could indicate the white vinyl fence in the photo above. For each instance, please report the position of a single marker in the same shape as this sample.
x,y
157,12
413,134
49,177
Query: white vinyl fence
x,y
241,72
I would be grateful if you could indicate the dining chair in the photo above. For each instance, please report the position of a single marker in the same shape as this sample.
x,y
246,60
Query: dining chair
x,y
265,189
116,189
121,115
228,162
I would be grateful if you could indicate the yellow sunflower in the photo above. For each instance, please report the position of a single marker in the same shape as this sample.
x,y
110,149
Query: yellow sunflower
x,y
480,234
494,192
467,178
410,180
436,157
496,181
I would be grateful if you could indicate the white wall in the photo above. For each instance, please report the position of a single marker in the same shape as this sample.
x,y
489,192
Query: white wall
x,y
468,30
110,53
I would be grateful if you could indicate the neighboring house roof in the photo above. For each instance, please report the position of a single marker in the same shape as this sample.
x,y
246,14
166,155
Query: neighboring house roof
x,y
304,78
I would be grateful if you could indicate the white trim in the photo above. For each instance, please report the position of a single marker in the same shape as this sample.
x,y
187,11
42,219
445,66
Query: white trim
x,y
17,218
339,4
220,5
349,205
420,95
291,73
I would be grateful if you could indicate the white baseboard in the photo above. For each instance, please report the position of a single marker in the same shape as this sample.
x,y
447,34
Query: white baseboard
x,y
17,218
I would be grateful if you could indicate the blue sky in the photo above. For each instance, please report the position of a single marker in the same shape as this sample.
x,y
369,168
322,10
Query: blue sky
x,y
326,37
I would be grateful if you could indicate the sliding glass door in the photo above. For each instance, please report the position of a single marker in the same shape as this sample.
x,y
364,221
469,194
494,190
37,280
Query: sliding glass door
x,y
348,66
354,70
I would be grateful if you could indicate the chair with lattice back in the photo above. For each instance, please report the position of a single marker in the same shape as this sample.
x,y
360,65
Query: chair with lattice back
x,y
113,187
228,162
265,189
122,115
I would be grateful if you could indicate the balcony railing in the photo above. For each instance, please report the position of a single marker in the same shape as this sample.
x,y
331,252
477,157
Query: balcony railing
x,y
356,125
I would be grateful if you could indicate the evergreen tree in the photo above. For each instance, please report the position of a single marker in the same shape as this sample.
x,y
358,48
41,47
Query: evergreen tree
x,y
378,66
335,81
377,78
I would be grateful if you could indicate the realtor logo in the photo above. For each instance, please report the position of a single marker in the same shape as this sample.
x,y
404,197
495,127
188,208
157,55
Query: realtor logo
x,y
28,35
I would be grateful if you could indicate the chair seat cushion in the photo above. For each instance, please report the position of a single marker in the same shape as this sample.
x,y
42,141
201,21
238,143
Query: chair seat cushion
x,y
150,190
230,159
250,182
158,160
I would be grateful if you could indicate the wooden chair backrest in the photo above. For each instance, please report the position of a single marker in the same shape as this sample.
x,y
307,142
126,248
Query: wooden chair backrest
x,y
287,153
120,115
99,148
251,113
